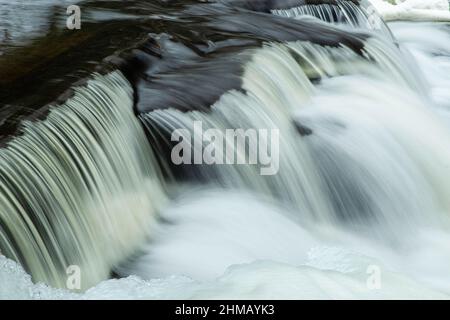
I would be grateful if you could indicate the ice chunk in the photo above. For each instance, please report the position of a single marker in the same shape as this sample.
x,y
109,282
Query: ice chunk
x,y
256,280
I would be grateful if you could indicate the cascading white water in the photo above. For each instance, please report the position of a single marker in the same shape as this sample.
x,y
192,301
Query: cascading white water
x,y
277,86
345,14
430,46
366,144
375,165
80,187
258,110
226,244
367,186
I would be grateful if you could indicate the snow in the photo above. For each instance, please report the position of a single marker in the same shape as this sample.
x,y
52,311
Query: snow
x,y
417,10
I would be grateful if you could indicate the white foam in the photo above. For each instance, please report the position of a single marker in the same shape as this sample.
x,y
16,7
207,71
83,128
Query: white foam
x,y
209,231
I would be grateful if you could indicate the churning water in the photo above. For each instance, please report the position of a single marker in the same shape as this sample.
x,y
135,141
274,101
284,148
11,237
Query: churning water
x,y
363,111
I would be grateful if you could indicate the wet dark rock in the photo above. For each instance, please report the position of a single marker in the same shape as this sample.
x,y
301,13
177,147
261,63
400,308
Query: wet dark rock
x,y
302,129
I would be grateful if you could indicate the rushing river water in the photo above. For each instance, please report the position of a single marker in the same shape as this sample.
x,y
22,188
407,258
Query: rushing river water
x,y
362,186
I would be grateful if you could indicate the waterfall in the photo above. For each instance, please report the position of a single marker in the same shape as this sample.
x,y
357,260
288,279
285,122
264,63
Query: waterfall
x,y
80,187
363,178
366,164
342,12
346,14
278,82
